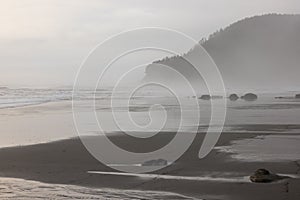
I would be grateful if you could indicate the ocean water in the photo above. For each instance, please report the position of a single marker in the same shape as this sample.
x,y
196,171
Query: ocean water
x,y
19,189
29,116
20,97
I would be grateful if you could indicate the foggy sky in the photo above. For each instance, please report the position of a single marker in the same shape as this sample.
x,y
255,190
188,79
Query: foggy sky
x,y
42,43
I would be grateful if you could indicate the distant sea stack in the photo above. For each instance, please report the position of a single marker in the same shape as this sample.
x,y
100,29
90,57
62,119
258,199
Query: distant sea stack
x,y
208,97
205,97
233,97
250,97
297,96
256,52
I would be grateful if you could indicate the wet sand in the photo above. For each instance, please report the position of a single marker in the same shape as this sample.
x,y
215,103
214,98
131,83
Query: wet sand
x,y
68,162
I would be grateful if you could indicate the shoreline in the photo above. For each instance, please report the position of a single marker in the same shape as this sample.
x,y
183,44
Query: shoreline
x,y
246,129
68,162
13,188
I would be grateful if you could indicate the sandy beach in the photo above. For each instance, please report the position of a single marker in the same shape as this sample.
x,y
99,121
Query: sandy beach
x,y
68,162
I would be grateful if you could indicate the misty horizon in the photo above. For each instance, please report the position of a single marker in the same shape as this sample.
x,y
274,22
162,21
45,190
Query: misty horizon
x,y
41,49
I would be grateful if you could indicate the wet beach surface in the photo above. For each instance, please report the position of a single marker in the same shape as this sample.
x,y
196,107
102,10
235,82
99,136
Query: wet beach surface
x,y
68,162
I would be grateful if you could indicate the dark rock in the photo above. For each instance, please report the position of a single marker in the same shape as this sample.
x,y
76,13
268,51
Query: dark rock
x,y
297,96
158,162
262,172
205,97
264,176
249,97
233,97
208,97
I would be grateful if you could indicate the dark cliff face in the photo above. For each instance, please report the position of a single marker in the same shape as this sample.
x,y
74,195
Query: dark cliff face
x,y
261,51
